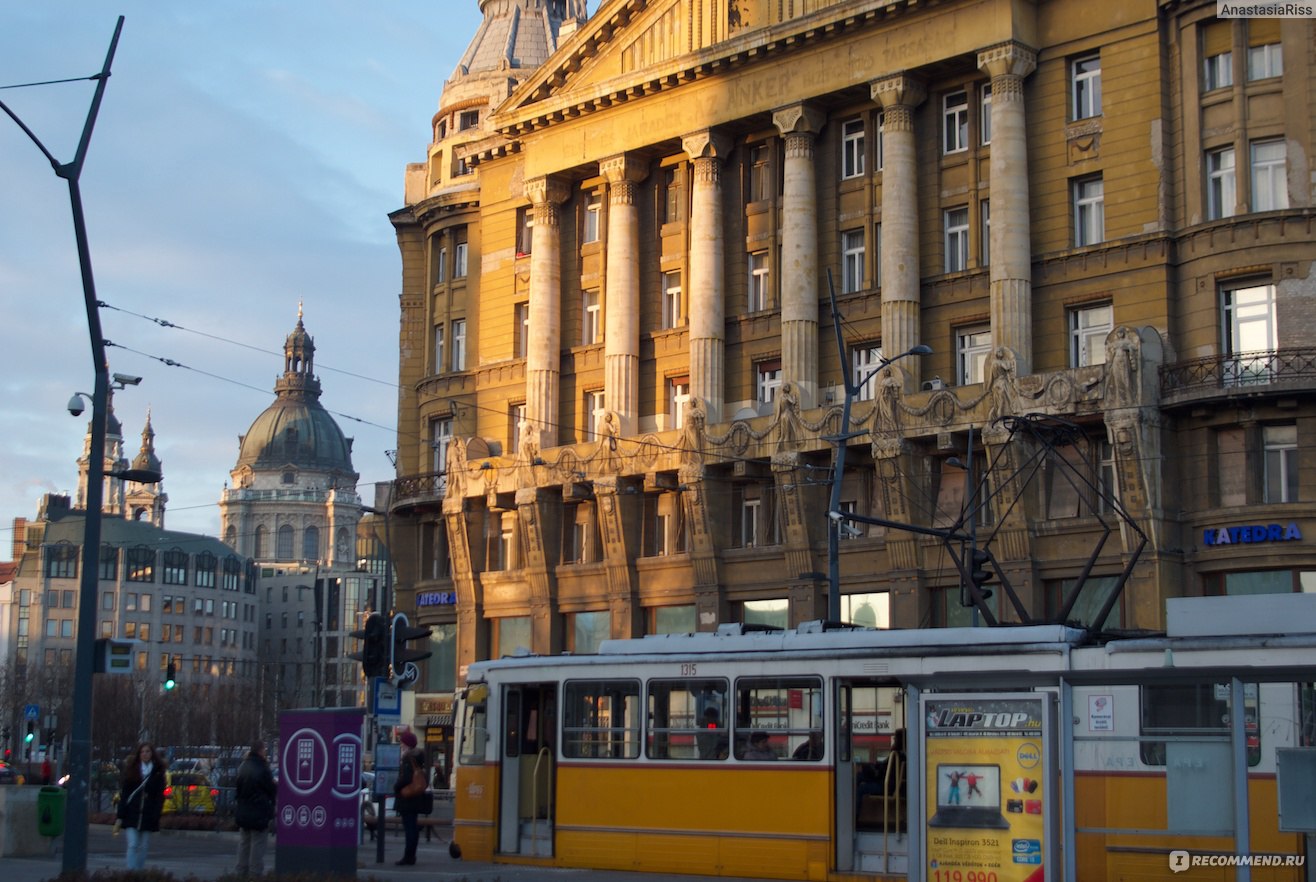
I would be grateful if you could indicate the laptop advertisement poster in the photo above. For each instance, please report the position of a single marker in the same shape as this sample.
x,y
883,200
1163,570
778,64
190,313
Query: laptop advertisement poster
x,y
987,791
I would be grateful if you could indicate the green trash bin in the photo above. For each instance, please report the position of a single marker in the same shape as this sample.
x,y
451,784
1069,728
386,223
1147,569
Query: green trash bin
x,y
50,811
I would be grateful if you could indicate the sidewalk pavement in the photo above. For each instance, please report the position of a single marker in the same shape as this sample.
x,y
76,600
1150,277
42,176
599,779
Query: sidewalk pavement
x,y
208,856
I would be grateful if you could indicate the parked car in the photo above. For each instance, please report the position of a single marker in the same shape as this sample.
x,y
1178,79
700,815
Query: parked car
x,y
189,793
10,775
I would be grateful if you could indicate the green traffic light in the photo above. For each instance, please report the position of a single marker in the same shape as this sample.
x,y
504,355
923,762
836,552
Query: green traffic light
x,y
169,682
27,739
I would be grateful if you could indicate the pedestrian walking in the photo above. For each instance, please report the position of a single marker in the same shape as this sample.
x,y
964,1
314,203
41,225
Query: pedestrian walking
x,y
141,802
255,793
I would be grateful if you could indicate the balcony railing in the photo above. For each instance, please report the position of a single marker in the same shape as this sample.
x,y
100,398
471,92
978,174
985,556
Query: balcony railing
x,y
1272,370
419,488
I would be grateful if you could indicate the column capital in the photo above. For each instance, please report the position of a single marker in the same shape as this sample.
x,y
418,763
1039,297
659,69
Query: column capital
x,y
1010,58
624,167
798,119
547,189
898,90
706,144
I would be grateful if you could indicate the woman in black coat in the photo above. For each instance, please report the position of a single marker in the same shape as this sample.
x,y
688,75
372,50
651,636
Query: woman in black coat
x,y
141,801
255,791
409,807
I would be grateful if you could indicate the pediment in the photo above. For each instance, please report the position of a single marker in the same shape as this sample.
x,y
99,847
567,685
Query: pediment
x,y
632,48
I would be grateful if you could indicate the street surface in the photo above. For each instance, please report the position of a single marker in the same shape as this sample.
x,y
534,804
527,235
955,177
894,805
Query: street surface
x,y
208,856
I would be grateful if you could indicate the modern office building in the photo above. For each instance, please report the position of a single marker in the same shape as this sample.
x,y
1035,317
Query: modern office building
x,y
624,394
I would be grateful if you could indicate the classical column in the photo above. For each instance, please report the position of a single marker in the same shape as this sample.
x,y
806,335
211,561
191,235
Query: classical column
x,y
899,95
1011,255
621,309
798,125
706,285
542,369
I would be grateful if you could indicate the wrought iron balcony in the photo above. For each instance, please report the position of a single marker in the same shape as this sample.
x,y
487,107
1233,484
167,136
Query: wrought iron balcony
x,y
421,488
1240,374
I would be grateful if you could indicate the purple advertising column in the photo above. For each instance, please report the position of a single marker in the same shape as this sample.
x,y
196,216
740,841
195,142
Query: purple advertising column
x,y
319,813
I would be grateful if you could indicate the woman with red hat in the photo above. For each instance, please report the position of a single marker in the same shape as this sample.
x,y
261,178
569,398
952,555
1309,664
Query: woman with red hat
x,y
409,795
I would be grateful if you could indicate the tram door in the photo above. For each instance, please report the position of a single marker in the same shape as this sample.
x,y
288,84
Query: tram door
x,y
871,828
527,775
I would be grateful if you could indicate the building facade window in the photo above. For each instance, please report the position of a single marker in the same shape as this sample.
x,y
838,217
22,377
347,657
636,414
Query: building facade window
x,y
852,148
1280,444
852,261
956,223
865,359
673,315
972,346
769,380
1088,328
459,344
175,567
985,231
285,544
1085,86
955,122
985,114
525,227
1265,58
678,396
760,172
439,349
440,440
1249,318
1270,187
515,417
595,411
593,214
1221,197
671,201
1217,55
140,565
109,568
521,329
591,323
1089,211
459,262
758,281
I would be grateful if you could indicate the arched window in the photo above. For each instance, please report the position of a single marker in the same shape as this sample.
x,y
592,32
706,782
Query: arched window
x,y
284,551
258,543
341,544
231,536
311,544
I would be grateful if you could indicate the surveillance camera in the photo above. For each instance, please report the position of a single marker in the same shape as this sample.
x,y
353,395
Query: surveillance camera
x,y
76,406
127,380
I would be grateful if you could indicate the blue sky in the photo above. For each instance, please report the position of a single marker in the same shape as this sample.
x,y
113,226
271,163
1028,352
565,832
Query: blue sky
x,y
245,158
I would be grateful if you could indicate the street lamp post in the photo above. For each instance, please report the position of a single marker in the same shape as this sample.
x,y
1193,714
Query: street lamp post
x,y
75,835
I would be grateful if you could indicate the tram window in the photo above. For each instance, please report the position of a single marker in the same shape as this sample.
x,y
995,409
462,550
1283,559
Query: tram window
x,y
688,719
474,731
1195,710
601,719
789,709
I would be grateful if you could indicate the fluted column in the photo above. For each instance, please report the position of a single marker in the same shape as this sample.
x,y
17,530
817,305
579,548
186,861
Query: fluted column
x,y
706,286
542,369
798,125
1011,264
621,309
899,95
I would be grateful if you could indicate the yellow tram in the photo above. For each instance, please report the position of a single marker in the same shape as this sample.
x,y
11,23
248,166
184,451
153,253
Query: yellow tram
x,y
833,754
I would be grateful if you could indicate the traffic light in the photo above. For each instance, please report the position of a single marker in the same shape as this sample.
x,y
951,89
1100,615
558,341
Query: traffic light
x,y
31,733
979,574
374,646
170,673
404,657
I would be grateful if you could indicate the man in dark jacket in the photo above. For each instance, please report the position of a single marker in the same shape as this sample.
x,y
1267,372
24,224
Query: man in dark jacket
x,y
255,793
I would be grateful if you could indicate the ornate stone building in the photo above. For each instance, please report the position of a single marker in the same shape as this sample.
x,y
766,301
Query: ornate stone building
x,y
293,508
623,389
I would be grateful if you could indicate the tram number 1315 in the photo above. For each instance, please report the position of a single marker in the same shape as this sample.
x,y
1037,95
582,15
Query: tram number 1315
x,y
963,876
